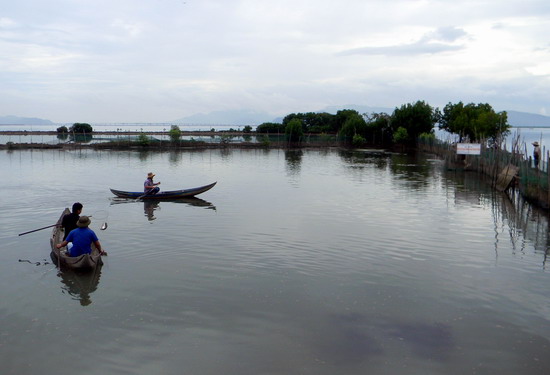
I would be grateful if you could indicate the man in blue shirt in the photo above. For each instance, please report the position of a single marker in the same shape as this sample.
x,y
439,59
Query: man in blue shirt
x,y
82,239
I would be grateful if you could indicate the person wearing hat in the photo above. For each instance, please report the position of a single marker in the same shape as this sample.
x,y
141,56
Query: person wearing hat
x,y
536,153
82,239
150,187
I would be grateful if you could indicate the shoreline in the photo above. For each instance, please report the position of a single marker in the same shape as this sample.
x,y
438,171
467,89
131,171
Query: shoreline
x,y
127,132
164,145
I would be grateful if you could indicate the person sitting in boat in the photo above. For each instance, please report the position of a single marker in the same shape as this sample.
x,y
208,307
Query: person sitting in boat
x,y
69,221
150,187
82,239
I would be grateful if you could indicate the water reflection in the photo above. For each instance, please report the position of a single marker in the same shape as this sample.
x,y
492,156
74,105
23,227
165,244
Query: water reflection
x,y
414,171
80,286
515,221
174,157
149,208
293,161
366,157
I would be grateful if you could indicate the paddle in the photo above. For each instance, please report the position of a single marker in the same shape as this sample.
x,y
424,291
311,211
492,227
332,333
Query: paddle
x,y
149,192
36,230
103,227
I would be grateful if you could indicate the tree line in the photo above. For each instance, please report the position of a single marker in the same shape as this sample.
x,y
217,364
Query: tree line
x,y
471,122
405,125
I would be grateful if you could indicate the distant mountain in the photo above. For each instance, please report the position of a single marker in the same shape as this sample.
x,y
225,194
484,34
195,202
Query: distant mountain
x,y
527,120
359,108
15,120
231,117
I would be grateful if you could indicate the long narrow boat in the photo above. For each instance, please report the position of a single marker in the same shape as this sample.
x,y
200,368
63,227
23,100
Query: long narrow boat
x,y
174,194
84,262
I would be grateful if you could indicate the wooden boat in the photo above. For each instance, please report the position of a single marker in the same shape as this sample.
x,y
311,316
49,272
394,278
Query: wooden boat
x,y
84,262
174,194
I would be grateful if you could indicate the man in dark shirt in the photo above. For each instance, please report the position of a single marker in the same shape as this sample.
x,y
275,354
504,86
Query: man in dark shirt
x,y
69,221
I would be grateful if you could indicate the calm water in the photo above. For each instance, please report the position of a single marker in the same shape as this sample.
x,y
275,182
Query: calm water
x,y
295,263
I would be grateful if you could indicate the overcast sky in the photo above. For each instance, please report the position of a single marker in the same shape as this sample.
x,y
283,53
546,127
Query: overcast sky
x,y
160,60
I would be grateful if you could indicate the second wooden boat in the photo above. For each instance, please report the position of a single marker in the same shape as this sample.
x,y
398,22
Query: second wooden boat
x,y
174,194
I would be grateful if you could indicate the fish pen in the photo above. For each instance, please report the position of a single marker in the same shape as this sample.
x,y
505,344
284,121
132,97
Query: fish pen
x,y
511,171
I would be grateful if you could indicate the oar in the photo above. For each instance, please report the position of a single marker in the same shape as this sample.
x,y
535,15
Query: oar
x,y
36,230
143,195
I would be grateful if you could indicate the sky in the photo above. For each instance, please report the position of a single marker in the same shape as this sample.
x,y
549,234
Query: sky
x,y
161,60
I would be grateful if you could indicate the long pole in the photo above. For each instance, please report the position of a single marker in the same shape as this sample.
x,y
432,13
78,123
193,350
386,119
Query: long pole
x,y
36,230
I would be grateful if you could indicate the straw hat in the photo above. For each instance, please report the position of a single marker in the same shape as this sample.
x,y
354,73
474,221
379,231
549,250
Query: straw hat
x,y
534,144
83,222
150,175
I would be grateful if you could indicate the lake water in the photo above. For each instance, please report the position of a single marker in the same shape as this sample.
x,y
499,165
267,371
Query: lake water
x,y
296,262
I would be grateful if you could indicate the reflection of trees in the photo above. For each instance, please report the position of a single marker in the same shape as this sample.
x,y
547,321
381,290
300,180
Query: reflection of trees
x,y
225,153
359,159
413,170
62,136
80,286
174,157
514,218
81,138
293,160
520,221
143,155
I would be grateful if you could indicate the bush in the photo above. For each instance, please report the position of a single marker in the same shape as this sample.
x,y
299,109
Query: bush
x,y
358,140
294,131
143,139
79,127
62,129
175,133
401,135
427,137
264,140
354,124
270,127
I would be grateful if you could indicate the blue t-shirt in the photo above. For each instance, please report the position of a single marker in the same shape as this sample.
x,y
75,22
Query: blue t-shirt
x,y
82,239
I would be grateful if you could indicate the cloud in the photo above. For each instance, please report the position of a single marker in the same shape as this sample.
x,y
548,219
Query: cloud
x,y
153,61
438,41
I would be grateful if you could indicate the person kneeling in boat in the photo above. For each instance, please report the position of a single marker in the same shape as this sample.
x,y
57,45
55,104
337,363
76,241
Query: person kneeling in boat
x,y
150,187
82,239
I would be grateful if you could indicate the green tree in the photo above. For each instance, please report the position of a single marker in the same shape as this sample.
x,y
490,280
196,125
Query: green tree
x,y
401,135
379,130
354,125
341,117
270,127
80,127
474,122
174,133
415,118
143,139
294,131
62,129
247,129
